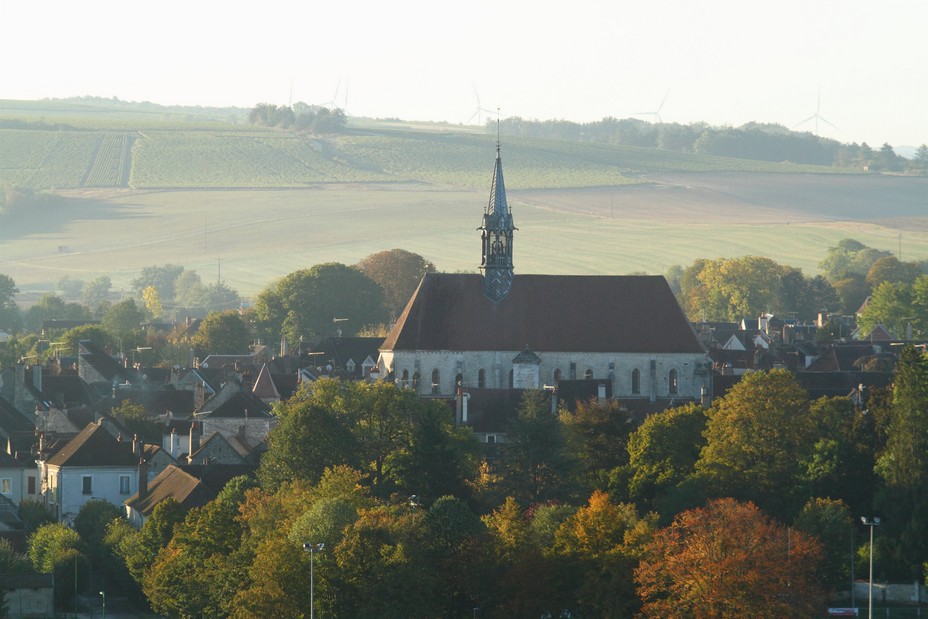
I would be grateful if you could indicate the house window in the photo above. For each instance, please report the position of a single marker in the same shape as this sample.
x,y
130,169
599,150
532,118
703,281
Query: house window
x,y
672,381
436,381
588,375
636,381
458,382
511,379
404,381
30,484
124,484
481,379
573,370
87,484
491,438
6,485
557,374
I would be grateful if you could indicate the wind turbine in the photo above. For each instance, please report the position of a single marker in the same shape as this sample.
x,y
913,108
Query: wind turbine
x,y
334,101
657,113
817,117
477,112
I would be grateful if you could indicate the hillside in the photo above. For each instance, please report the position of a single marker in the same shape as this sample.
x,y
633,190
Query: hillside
x,y
130,187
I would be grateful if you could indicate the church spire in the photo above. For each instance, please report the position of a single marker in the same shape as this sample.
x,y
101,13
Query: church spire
x,y
496,233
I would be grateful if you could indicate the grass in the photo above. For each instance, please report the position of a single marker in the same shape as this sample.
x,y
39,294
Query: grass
x,y
254,237
140,185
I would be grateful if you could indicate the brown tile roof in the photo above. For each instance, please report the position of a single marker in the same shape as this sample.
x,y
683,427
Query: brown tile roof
x,y
94,446
190,485
556,313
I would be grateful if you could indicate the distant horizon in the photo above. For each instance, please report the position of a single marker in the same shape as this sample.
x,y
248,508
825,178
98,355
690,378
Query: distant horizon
x,y
905,150
850,69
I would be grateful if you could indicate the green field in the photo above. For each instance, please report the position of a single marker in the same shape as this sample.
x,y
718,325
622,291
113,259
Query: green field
x,y
133,188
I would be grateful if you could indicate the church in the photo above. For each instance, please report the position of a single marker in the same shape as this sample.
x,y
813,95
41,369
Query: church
x,y
498,330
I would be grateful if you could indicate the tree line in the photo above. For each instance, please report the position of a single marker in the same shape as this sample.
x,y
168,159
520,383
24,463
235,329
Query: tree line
x,y
299,117
301,306
730,289
758,141
587,513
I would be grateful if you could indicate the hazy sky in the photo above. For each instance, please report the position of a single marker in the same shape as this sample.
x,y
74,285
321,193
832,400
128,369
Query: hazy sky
x,y
862,64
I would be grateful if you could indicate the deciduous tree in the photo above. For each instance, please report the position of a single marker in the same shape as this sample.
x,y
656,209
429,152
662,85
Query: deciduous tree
x,y
729,560
663,451
223,333
304,303
10,319
757,437
398,272
536,465
308,439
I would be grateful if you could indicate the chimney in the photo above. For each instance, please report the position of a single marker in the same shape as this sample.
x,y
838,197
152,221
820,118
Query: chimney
x,y
199,395
194,438
143,478
19,386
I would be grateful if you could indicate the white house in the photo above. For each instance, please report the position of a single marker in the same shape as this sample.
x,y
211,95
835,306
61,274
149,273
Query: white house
x,y
92,465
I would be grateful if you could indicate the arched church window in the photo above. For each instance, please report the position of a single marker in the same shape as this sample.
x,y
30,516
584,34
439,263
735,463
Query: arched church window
x,y
458,382
672,381
557,374
404,381
436,381
588,375
482,379
636,381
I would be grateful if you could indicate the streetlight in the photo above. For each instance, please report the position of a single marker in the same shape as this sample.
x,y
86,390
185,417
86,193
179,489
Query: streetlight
x,y
103,595
870,522
312,549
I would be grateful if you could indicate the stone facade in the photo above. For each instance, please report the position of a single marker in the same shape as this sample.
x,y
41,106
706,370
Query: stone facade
x,y
692,378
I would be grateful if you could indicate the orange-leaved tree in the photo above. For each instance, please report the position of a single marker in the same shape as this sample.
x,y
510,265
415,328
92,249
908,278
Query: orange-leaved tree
x,y
729,559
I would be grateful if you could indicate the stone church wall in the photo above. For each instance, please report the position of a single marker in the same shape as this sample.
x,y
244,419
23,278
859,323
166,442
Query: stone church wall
x,y
689,368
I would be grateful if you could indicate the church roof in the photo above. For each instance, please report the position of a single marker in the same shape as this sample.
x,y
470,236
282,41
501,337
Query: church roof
x,y
554,313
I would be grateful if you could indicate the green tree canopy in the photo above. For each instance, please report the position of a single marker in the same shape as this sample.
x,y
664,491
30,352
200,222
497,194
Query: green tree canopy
x,y
663,451
223,333
10,319
849,257
124,321
305,303
730,289
161,277
757,437
51,307
96,291
536,465
308,439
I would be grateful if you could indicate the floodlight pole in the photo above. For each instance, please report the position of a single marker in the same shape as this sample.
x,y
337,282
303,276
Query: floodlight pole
x,y
870,522
312,549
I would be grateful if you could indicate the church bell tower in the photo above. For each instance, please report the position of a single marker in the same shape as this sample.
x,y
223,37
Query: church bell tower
x,y
496,233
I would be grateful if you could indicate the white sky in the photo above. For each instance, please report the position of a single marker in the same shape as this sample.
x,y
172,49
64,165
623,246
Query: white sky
x,y
725,62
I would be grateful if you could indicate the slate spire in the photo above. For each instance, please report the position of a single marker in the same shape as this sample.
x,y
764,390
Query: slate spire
x,y
496,234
